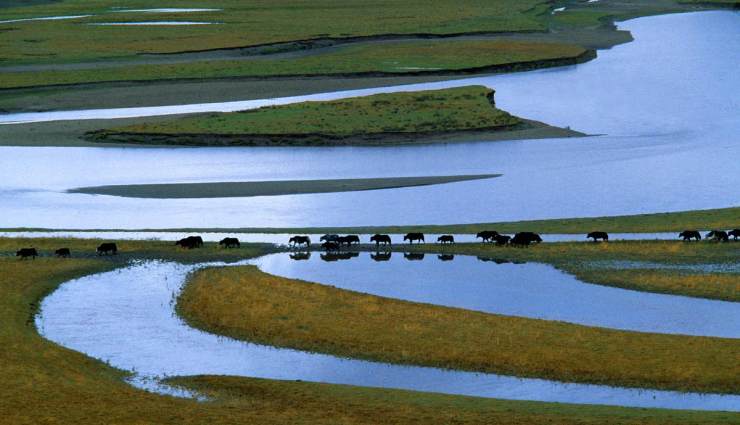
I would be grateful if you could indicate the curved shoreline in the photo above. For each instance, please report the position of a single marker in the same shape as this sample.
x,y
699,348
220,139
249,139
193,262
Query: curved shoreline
x,y
216,355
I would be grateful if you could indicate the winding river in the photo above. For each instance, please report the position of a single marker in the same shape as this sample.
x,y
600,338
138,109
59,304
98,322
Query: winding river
x,y
126,317
666,106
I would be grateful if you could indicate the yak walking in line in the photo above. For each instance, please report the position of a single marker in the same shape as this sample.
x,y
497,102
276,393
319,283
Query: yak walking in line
x,y
300,240
107,248
25,253
348,240
598,235
446,239
190,242
229,243
718,236
524,239
501,240
688,235
329,238
487,235
63,253
381,239
411,237
734,233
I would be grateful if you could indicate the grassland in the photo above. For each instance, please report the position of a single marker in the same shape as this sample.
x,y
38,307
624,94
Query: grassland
x,y
380,118
255,23
369,59
270,188
245,303
45,383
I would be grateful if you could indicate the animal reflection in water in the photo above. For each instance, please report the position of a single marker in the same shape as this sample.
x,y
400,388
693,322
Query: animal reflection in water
x,y
336,256
381,256
413,256
300,255
498,260
446,257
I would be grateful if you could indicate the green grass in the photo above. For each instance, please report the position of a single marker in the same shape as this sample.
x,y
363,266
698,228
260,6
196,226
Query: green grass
x,y
245,303
457,109
384,58
45,383
246,24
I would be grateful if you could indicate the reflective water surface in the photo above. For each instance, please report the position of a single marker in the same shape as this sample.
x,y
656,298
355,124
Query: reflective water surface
x,y
126,318
527,290
666,104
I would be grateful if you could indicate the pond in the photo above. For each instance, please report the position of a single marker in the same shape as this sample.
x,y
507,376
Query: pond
x,y
665,104
126,317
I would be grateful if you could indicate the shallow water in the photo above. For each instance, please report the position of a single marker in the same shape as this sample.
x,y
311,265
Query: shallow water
x,y
532,290
168,10
126,318
45,18
671,124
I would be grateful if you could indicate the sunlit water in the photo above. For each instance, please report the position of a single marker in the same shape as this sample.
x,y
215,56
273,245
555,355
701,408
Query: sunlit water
x,y
667,103
126,318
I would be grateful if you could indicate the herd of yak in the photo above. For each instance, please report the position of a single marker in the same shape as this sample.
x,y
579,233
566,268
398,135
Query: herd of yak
x,y
336,242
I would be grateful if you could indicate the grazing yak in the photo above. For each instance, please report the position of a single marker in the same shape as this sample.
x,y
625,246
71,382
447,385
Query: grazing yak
x,y
734,233
411,237
487,235
27,252
381,256
381,239
330,246
445,257
329,238
501,240
718,235
107,248
348,240
598,235
190,242
525,239
688,235
63,253
446,239
413,256
300,240
229,243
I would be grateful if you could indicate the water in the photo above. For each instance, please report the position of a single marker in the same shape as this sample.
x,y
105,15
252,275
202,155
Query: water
x,y
532,290
666,104
125,317
45,18
152,23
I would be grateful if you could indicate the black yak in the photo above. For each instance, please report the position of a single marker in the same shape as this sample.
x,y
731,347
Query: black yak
x,y
487,235
688,235
598,235
381,239
63,253
27,252
107,248
300,240
446,239
411,237
230,243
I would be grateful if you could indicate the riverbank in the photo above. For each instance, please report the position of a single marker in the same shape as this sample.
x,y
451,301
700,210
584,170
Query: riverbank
x,y
247,304
43,380
270,188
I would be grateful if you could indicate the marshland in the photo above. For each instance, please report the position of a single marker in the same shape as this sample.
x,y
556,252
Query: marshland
x,y
235,126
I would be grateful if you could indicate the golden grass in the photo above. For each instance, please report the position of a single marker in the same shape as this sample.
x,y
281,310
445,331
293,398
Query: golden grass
x,y
245,303
721,286
47,384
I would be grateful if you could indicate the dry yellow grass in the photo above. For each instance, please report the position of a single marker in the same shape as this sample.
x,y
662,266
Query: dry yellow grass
x,y
246,303
47,384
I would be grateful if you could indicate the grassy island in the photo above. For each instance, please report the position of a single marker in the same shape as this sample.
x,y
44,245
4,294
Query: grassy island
x,y
377,119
